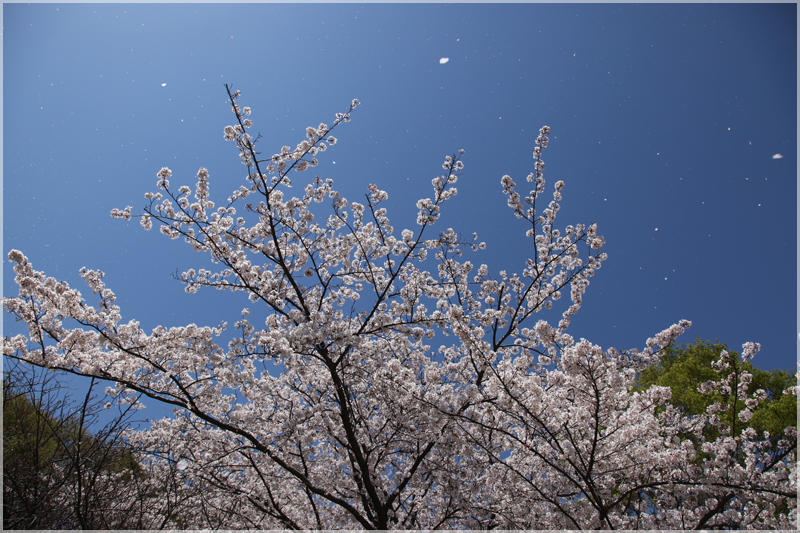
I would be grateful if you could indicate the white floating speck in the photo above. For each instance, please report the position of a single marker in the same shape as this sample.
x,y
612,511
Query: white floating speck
x,y
163,84
182,464
777,156
444,60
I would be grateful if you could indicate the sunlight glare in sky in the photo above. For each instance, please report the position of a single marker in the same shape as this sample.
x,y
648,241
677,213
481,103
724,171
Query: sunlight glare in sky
x,y
163,84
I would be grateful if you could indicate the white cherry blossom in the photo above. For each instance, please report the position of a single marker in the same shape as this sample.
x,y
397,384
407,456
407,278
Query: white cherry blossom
x,y
379,379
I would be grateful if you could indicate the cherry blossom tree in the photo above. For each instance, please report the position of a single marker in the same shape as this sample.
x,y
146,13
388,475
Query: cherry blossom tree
x,y
338,409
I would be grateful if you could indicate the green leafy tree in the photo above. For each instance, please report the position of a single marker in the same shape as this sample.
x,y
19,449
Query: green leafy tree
x,y
34,437
57,474
707,378
685,368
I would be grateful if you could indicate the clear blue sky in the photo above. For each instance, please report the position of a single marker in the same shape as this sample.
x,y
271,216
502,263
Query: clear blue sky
x,y
665,119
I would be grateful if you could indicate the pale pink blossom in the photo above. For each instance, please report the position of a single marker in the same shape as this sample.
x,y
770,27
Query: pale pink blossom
x,y
385,381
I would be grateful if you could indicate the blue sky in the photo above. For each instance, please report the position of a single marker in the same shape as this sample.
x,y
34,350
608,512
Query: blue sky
x,y
665,120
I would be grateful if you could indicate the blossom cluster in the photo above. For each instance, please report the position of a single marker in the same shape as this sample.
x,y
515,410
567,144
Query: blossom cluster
x,y
361,419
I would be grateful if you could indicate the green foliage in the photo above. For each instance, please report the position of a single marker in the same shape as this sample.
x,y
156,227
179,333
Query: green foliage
x,y
26,429
50,456
36,435
684,368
